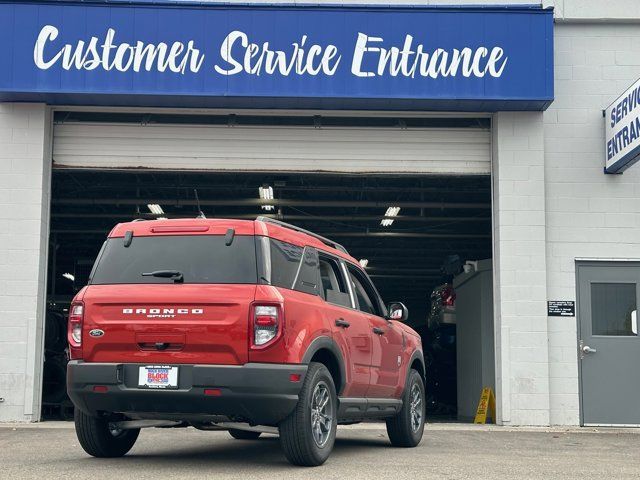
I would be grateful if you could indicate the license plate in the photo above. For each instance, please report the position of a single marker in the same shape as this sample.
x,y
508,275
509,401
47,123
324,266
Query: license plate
x,y
155,376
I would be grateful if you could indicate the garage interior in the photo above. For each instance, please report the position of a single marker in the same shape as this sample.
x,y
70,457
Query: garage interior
x,y
414,232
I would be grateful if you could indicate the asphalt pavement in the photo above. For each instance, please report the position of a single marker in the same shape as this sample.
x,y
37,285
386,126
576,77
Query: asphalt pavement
x,y
451,451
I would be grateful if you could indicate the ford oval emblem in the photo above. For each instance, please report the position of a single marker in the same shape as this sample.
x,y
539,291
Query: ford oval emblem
x,y
96,332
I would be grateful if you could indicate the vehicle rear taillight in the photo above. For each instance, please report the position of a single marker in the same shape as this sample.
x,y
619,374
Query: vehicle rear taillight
x,y
266,322
76,316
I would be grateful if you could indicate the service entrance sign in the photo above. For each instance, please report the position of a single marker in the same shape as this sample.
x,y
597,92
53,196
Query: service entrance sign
x,y
622,131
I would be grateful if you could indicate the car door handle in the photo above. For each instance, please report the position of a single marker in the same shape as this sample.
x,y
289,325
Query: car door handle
x,y
378,331
341,322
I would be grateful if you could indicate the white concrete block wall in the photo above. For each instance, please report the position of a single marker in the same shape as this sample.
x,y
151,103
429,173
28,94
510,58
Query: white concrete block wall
x,y
24,212
588,213
522,361
594,10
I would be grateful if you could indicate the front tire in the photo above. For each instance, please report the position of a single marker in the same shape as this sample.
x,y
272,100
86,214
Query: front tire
x,y
407,427
100,438
243,434
307,435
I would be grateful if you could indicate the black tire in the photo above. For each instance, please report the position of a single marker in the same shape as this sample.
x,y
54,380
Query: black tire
x,y
98,440
243,434
297,437
399,428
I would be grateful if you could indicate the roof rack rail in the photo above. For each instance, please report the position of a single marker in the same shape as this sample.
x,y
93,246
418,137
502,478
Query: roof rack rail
x,y
324,240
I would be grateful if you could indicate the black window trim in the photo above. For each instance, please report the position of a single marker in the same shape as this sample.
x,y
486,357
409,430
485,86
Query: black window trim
x,y
377,298
263,253
345,278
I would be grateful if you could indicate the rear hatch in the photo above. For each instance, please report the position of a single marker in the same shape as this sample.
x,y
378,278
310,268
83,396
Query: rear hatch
x,y
201,318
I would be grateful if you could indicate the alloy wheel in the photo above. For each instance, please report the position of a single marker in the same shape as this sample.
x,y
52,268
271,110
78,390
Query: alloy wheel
x,y
321,414
415,408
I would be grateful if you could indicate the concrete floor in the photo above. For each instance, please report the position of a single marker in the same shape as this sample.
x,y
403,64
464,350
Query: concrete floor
x,y
50,450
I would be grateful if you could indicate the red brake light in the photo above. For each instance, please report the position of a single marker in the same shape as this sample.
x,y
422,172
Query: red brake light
x,y
266,321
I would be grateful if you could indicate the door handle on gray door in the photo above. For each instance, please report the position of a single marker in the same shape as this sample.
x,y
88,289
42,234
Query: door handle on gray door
x,y
378,331
588,349
341,322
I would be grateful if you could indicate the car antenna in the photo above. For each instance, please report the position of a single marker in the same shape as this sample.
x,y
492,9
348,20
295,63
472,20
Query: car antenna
x,y
200,213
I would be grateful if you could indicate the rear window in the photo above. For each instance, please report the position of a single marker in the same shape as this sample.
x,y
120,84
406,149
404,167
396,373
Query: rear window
x,y
200,258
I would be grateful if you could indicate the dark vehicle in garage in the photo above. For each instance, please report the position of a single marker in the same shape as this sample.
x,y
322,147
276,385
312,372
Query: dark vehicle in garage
x,y
245,326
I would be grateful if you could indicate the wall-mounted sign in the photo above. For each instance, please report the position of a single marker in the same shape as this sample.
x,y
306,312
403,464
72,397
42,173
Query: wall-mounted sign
x,y
561,308
167,53
622,130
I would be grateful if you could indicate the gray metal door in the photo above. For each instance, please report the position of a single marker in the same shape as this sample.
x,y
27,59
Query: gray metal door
x,y
609,347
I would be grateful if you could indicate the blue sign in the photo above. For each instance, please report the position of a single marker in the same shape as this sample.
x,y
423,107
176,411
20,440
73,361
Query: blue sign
x,y
335,57
622,131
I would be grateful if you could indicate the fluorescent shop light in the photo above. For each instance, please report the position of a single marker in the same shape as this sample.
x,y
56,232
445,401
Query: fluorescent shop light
x,y
155,209
266,193
391,212
363,262
69,276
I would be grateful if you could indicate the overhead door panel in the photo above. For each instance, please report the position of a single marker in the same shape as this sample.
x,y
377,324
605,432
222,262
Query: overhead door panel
x,y
326,149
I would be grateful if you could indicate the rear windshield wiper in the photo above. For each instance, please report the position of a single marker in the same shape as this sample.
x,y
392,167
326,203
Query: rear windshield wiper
x,y
175,274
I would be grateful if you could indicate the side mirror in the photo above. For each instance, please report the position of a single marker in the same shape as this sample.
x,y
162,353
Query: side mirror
x,y
397,311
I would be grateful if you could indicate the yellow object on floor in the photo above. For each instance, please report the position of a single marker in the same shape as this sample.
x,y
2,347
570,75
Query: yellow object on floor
x,y
486,405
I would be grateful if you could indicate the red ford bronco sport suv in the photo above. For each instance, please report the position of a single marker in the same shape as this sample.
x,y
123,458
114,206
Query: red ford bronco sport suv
x,y
245,326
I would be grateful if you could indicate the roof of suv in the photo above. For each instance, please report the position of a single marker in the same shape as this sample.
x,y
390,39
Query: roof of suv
x,y
219,226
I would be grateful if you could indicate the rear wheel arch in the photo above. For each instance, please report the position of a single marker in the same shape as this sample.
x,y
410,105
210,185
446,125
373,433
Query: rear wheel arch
x,y
325,350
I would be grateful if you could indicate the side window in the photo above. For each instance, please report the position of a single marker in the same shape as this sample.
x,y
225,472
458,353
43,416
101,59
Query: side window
x,y
307,277
333,286
285,261
365,293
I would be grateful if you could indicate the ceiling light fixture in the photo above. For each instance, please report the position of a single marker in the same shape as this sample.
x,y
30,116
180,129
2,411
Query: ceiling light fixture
x,y
155,209
266,193
69,276
363,262
391,212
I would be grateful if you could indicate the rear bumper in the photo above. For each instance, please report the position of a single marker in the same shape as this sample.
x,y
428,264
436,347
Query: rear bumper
x,y
258,393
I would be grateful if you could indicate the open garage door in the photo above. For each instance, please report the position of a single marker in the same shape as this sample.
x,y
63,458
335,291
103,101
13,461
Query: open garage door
x,y
267,143
374,185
